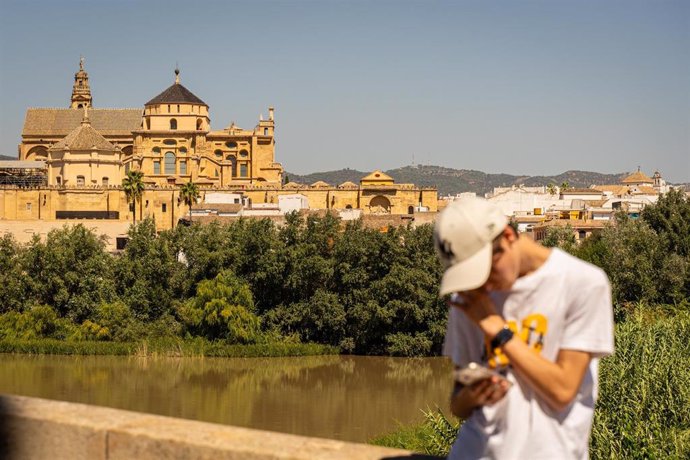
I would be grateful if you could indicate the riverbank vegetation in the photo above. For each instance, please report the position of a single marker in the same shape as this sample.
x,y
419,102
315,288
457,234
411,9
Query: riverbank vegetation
x,y
244,283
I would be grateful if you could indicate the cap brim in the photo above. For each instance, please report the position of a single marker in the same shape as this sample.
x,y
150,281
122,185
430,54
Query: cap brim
x,y
469,274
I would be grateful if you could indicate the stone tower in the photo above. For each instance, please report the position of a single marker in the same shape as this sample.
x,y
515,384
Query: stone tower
x,y
81,91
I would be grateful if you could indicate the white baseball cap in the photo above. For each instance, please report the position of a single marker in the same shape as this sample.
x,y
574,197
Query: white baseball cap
x,y
463,236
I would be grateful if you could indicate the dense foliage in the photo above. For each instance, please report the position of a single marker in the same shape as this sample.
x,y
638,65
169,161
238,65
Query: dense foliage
x,y
312,279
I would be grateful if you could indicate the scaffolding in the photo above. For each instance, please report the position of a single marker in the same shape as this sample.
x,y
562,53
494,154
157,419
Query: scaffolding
x,y
23,174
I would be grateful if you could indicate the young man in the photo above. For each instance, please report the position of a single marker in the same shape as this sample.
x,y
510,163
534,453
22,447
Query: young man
x,y
540,318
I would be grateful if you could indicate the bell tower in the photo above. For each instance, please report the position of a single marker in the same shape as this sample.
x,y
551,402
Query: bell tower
x,y
81,91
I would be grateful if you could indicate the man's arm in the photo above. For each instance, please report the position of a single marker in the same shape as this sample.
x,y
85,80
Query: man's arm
x,y
555,382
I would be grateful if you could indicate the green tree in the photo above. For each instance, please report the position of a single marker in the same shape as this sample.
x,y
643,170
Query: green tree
x,y
189,193
222,309
133,186
551,189
560,237
565,185
70,271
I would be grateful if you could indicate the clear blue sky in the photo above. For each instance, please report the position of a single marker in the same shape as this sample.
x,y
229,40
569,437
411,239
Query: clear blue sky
x,y
520,87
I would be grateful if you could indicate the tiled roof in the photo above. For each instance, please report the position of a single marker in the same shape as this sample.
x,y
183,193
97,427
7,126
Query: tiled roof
x,y
320,184
60,122
581,191
348,184
176,94
84,137
637,177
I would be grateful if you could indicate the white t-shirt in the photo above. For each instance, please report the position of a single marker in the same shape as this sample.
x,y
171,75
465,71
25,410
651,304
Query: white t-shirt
x,y
564,304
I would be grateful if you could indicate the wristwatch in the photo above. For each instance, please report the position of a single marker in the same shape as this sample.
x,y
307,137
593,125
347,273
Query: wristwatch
x,y
503,336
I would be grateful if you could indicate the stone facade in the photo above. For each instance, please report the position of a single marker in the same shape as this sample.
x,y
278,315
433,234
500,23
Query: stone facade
x,y
88,151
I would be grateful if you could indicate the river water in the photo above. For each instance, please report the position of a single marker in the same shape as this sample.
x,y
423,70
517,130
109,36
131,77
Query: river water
x,y
352,398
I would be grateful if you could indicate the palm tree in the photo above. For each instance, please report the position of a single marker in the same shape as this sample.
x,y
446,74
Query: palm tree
x,y
189,192
565,186
133,185
551,189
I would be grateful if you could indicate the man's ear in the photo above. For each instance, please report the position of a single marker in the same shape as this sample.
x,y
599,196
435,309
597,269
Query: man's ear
x,y
510,234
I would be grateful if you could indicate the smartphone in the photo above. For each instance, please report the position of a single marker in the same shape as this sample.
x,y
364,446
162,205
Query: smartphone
x,y
474,373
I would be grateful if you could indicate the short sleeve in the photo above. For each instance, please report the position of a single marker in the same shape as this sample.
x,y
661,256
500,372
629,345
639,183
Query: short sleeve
x,y
589,321
463,340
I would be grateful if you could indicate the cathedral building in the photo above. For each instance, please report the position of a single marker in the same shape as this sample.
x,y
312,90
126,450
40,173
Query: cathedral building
x,y
85,151
170,141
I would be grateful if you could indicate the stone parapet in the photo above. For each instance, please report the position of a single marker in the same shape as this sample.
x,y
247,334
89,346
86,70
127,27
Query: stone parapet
x,y
43,429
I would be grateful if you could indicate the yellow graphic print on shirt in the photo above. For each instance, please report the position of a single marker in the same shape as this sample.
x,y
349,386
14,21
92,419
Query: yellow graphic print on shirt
x,y
532,332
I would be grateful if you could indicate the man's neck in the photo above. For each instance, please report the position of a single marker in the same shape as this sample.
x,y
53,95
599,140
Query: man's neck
x,y
532,255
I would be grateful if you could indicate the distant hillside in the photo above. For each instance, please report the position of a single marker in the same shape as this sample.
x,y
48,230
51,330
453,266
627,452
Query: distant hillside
x,y
7,158
450,181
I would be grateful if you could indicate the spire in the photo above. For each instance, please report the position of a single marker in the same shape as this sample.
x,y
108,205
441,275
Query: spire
x,y
81,92
177,74
85,120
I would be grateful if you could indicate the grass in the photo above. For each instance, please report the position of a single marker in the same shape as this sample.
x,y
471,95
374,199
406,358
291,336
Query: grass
x,y
164,347
643,410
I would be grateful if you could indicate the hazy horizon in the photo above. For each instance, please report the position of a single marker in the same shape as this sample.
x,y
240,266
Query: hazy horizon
x,y
523,88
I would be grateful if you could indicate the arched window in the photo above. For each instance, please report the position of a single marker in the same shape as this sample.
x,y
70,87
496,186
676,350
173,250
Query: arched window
x,y
199,124
244,153
218,153
410,209
182,150
169,163
156,150
173,123
80,180
105,181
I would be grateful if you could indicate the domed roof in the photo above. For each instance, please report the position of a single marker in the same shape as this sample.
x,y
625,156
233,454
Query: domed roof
x,y
637,177
176,94
84,137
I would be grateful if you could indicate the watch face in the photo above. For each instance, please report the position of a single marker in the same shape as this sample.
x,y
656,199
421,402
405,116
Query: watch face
x,y
501,338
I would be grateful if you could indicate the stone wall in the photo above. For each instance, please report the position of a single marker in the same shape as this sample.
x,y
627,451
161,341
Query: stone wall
x,y
32,428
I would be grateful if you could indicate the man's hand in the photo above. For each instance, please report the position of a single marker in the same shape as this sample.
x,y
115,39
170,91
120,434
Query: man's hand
x,y
480,309
483,393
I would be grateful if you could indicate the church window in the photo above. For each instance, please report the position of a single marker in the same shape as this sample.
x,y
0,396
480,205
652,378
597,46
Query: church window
x,y
170,142
243,170
173,123
231,145
182,150
218,153
104,181
80,180
58,180
183,167
156,150
265,131
169,163
199,124
178,107
164,207
216,172
244,153
80,106
156,167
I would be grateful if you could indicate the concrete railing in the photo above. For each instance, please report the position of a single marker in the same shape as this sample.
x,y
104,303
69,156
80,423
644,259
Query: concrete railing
x,y
32,428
